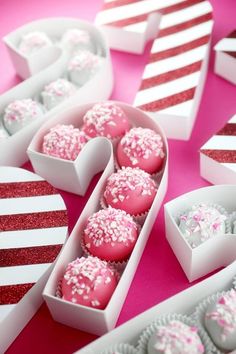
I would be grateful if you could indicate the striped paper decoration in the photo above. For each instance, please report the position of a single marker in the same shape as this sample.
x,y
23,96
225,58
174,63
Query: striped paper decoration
x,y
221,147
227,45
175,67
33,228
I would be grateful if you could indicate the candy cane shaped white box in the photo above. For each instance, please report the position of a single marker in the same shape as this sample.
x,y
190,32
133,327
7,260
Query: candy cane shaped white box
x,y
85,318
173,79
218,155
225,57
32,87
33,221
185,303
212,254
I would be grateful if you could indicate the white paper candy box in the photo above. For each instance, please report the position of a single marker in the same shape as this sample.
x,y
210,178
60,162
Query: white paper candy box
x,y
183,303
212,254
75,176
33,223
46,66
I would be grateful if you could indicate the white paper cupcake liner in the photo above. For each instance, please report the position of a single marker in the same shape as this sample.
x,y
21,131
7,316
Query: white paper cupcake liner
x,y
164,320
234,282
121,348
199,316
233,222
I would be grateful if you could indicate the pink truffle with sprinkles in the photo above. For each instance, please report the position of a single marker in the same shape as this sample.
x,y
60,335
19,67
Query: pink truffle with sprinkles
x,y
175,338
110,234
131,190
105,119
56,92
64,141
34,41
89,282
220,321
83,66
20,113
75,39
143,148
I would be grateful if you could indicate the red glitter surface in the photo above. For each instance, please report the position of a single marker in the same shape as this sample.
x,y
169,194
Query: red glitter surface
x,y
223,156
179,49
169,101
29,255
26,189
11,294
185,25
170,75
33,220
228,129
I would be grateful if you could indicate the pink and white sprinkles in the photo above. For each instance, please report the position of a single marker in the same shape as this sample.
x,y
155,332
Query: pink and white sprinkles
x,y
60,88
225,314
110,226
201,223
142,143
76,36
21,111
128,179
64,141
84,60
178,338
84,276
34,41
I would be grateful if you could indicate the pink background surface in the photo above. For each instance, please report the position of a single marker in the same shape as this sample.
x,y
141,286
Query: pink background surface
x,y
158,271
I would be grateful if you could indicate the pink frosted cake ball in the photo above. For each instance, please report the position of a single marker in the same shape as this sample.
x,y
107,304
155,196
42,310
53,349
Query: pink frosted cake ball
x,y
175,338
75,39
64,141
34,41
105,119
131,190
89,282
56,92
83,66
143,148
110,234
20,113
220,321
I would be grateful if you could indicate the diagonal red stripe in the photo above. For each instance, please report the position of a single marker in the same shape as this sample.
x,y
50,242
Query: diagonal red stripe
x,y
118,3
232,34
11,294
185,25
232,54
32,221
222,156
170,75
28,255
179,50
26,189
169,101
228,129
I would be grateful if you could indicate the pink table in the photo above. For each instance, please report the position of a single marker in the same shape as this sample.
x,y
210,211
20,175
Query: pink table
x,y
158,271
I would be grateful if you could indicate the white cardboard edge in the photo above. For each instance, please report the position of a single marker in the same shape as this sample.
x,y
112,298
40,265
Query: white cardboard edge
x,y
184,302
225,66
215,172
33,86
215,252
85,318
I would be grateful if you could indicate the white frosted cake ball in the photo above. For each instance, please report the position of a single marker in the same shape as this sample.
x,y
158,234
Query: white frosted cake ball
x,y
34,41
56,92
75,39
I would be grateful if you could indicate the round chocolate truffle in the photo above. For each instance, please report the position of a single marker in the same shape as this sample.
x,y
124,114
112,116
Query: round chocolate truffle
x,y
175,338
75,39
64,141
56,92
110,234
83,66
89,282
32,42
131,190
20,113
143,148
220,321
105,119
201,223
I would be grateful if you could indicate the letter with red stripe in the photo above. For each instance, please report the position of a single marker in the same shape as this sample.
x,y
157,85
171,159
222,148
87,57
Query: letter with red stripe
x,y
218,155
33,228
173,79
225,60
